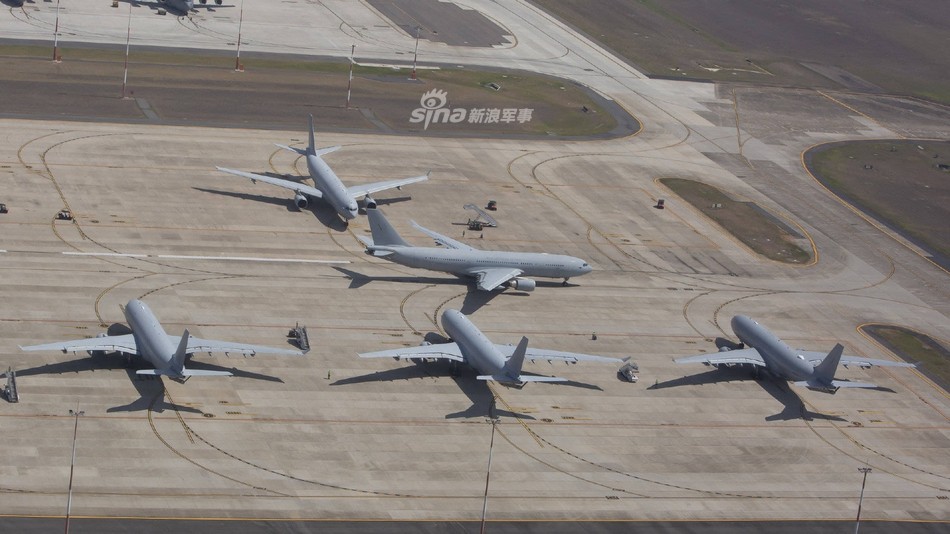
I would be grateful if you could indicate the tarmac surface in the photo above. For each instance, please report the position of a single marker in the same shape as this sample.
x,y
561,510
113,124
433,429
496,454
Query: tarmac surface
x,y
333,437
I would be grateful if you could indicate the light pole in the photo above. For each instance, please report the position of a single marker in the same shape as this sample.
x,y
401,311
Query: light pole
x,y
128,40
349,83
857,522
415,55
56,36
237,61
491,447
72,464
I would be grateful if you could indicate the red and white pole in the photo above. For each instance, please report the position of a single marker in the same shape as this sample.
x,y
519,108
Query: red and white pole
x,y
237,61
349,83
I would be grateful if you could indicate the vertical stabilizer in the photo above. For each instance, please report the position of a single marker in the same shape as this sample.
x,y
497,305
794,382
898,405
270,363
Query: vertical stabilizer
x,y
178,360
383,233
512,368
312,147
825,371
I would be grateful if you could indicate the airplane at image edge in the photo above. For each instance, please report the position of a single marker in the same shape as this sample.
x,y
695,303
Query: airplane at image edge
x,y
149,340
814,370
491,269
327,184
499,363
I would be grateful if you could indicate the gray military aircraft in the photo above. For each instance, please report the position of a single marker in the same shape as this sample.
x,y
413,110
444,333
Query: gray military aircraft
x,y
500,363
327,184
149,340
178,7
491,269
814,370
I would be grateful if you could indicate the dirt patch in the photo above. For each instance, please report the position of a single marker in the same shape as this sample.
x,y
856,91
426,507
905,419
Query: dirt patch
x,y
915,347
905,184
764,233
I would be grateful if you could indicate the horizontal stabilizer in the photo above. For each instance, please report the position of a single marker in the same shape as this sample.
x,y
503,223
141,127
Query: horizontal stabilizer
x,y
186,372
301,151
202,372
846,384
325,151
522,378
816,385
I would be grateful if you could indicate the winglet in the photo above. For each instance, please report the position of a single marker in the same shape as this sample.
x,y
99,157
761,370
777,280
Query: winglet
x,y
512,368
178,360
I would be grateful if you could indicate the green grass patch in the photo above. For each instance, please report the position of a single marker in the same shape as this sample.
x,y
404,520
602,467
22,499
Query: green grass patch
x,y
915,347
899,182
559,107
744,220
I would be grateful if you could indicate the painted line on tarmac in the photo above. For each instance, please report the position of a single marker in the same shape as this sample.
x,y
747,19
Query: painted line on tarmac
x,y
182,257
107,254
246,258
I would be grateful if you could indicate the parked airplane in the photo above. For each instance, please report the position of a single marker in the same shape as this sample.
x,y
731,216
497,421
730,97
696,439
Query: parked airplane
x,y
814,370
491,269
501,363
149,340
327,185
178,7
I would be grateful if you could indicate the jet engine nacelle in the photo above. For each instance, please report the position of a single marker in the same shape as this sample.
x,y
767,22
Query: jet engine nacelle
x,y
219,2
203,2
369,203
98,352
301,200
523,284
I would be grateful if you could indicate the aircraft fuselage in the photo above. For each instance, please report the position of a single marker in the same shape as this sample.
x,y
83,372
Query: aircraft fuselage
x,y
477,350
150,338
469,262
334,192
780,359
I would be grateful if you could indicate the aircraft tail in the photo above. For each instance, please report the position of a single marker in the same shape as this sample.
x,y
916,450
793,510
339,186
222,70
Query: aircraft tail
x,y
383,233
312,146
178,360
825,371
511,372
824,374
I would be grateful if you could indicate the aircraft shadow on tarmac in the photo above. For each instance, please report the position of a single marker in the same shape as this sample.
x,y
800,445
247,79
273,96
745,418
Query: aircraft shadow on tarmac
x,y
477,391
474,299
793,407
16,3
145,385
322,211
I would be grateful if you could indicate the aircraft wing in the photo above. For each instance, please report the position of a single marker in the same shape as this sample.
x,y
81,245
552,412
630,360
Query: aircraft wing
x,y
279,182
864,363
359,191
125,344
489,279
441,351
210,345
556,355
441,239
747,356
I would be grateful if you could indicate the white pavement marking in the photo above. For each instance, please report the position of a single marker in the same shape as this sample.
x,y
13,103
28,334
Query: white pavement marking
x,y
109,254
177,257
244,258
